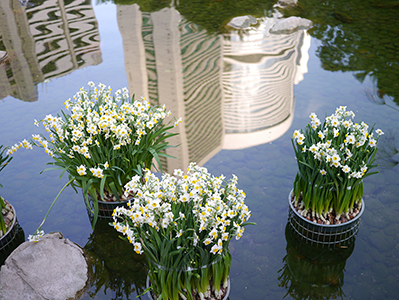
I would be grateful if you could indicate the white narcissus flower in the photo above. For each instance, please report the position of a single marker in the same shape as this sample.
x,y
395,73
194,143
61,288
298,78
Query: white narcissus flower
x,y
81,170
372,142
346,169
379,132
97,172
36,236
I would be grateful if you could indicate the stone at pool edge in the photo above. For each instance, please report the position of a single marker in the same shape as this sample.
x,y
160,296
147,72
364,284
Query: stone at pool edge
x,y
52,268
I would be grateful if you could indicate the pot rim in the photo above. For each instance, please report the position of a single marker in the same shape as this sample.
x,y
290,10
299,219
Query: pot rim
x,y
111,202
325,225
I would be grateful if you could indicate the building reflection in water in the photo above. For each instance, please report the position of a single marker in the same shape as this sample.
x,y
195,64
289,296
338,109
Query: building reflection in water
x,y
46,40
260,70
233,90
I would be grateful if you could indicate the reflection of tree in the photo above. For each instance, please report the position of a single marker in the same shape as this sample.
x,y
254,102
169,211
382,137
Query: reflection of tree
x,y
359,36
213,15
113,264
311,271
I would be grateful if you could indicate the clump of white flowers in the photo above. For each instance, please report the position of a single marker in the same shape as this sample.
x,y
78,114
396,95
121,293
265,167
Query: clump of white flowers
x,y
333,158
101,140
36,236
184,222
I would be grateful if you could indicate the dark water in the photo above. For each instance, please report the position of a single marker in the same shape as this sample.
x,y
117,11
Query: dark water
x,y
241,93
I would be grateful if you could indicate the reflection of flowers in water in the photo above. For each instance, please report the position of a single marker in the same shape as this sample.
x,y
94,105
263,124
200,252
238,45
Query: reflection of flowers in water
x,y
311,271
113,265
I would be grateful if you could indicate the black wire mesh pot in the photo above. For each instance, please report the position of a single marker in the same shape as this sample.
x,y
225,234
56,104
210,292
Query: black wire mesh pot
x,y
11,239
105,209
322,234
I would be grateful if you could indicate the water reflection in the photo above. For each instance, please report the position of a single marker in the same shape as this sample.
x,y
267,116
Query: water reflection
x,y
360,37
45,40
313,272
260,70
234,90
113,265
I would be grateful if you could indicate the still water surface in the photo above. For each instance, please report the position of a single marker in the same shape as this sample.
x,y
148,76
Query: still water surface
x,y
241,90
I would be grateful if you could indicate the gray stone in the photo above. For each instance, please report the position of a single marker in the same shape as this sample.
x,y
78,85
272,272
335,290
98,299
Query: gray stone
x,y
290,24
287,2
243,22
52,268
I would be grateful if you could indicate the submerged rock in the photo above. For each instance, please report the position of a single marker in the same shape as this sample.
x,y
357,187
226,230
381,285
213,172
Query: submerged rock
x,y
52,268
290,24
287,2
242,22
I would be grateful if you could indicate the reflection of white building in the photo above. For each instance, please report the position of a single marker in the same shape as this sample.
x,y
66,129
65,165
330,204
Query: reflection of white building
x,y
172,62
66,36
19,76
260,70
232,92
45,41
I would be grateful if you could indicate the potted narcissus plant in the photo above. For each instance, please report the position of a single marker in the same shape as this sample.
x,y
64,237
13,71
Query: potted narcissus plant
x,y
333,158
183,224
101,141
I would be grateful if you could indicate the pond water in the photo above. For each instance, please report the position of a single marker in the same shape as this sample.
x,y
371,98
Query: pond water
x,y
242,90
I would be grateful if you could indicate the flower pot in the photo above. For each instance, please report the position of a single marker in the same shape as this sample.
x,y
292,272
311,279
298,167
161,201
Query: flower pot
x,y
149,294
11,239
105,209
322,234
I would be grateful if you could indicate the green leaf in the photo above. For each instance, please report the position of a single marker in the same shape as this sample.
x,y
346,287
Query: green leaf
x,y
102,185
2,222
93,193
248,223
155,155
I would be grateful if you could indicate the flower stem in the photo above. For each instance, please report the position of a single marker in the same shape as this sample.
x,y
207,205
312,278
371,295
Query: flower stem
x,y
52,204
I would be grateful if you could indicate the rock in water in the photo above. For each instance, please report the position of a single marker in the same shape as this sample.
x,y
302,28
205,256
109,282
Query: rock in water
x,y
290,24
52,268
288,2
